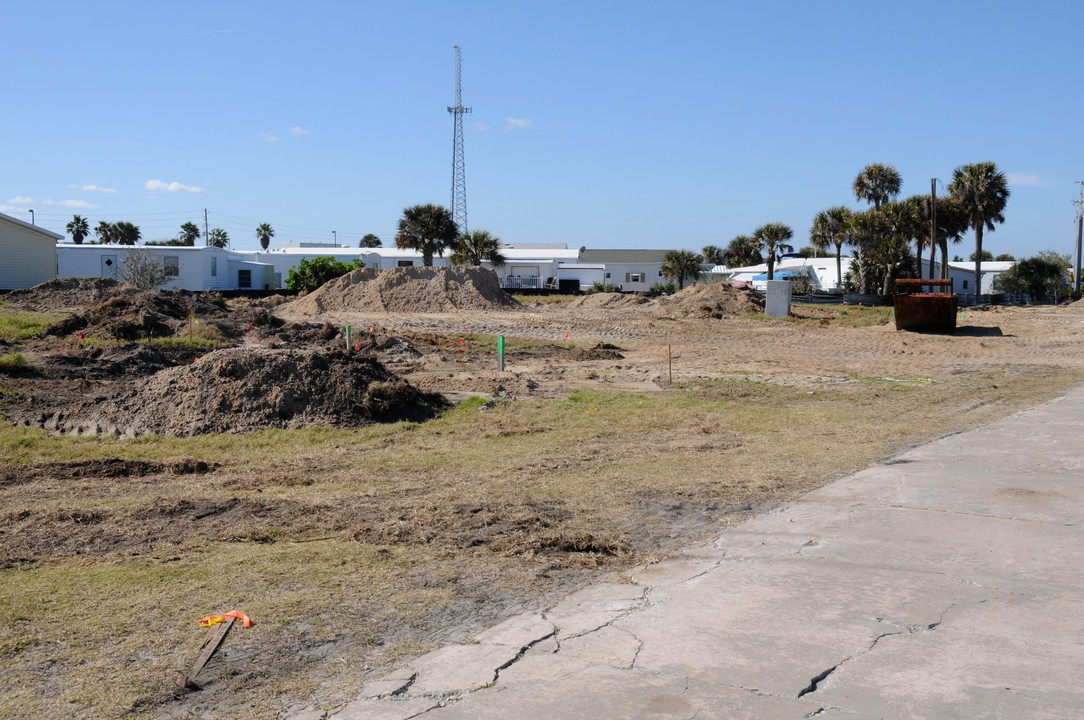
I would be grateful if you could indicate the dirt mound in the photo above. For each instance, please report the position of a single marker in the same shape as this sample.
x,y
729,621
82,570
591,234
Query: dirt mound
x,y
245,389
711,301
407,289
599,351
608,300
67,294
131,314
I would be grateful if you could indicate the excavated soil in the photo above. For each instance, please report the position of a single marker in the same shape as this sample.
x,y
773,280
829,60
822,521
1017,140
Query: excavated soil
x,y
408,289
716,301
245,389
67,294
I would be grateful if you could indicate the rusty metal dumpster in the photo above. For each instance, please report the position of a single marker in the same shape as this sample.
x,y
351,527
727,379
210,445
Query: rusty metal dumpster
x,y
925,311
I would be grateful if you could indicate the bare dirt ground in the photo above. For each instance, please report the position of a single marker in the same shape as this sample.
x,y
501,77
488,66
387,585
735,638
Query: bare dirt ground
x,y
621,429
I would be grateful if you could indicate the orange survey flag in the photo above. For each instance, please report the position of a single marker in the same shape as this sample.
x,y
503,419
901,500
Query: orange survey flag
x,y
212,620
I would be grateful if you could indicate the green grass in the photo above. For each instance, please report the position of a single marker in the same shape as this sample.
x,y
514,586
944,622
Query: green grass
x,y
13,361
19,325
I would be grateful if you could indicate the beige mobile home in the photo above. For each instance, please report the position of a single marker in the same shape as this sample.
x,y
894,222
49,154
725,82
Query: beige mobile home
x,y
28,252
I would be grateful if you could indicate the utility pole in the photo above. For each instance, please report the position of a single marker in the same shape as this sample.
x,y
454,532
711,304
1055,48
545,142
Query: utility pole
x,y
933,226
206,234
1079,227
459,171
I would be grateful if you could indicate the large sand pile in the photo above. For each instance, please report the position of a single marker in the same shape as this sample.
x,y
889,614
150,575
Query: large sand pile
x,y
407,289
244,389
716,300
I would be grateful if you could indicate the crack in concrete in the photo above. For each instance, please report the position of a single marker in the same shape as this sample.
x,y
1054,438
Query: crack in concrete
x,y
641,603
522,651
816,680
401,689
982,515
639,647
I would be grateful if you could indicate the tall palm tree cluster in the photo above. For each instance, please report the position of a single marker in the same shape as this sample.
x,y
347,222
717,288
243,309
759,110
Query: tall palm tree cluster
x,y
122,232
430,229
883,235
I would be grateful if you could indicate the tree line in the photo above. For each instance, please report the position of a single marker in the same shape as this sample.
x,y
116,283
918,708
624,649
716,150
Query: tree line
x,y
884,234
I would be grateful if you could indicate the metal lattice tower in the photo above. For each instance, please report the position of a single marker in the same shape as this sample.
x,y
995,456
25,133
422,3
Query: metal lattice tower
x,y
459,170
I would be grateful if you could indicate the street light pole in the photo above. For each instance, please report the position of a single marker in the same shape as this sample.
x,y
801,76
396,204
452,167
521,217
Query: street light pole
x,y
336,236
32,221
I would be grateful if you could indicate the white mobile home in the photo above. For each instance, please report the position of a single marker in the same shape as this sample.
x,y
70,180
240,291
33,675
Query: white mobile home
x,y
191,268
629,270
29,254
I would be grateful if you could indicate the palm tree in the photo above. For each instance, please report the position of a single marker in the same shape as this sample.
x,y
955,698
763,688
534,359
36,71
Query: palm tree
x,y
771,237
742,251
189,234
106,232
78,229
265,232
832,227
126,233
681,264
983,190
370,241
429,229
952,223
867,230
218,238
477,245
713,255
876,184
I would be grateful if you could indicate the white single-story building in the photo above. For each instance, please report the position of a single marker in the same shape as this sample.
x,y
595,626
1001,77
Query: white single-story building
x,y
28,252
191,268
628,270
823,272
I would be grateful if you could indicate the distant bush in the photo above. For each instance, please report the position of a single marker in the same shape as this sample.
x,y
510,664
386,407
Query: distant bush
x,y
667,288
602,287
311,274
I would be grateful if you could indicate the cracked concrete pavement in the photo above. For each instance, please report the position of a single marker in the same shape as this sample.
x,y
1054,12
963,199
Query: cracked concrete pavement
x,y
944,582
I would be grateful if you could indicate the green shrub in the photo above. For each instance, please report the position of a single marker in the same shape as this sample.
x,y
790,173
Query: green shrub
x,y
667,288
12,362
311,274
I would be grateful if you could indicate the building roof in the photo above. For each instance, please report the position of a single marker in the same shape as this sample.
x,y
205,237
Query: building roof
x,y
622,256
42,231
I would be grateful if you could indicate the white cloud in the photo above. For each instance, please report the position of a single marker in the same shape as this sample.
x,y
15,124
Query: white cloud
x,y
267,137
20,200
298,130
481,127
78,204
173,187
518,123
93,188
1026,179
11,209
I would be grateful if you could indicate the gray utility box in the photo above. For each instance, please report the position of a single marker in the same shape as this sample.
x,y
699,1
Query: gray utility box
x,y
778,299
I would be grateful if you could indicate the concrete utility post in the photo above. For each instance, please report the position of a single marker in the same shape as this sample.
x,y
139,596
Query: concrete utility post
x,y
1079,227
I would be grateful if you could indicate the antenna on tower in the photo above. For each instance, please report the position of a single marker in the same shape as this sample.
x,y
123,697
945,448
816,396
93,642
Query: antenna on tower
x,y
459,170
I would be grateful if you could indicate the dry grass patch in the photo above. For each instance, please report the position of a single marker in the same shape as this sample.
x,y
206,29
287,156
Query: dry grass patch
x,y
353,549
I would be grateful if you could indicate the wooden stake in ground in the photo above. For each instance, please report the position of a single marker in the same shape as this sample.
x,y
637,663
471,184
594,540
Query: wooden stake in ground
x,y
670,365
215,636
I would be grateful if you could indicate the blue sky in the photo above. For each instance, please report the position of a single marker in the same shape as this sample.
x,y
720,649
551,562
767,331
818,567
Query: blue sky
x,y
606,124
